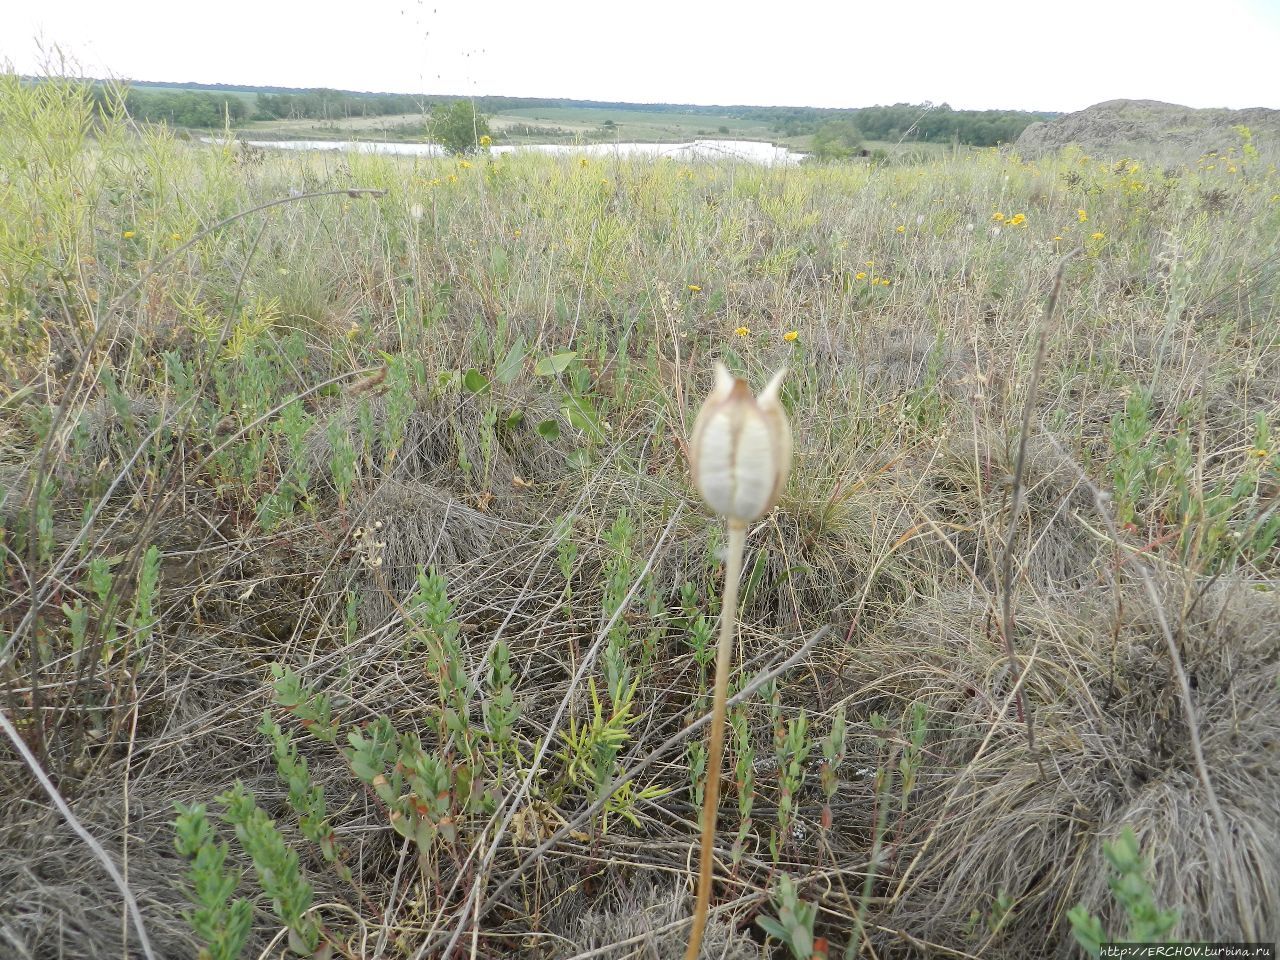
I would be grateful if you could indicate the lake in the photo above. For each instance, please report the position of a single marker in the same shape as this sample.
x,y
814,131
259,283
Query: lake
x,y
750,151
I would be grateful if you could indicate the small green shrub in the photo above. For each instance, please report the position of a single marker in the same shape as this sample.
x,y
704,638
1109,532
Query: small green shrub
x,y
1147,923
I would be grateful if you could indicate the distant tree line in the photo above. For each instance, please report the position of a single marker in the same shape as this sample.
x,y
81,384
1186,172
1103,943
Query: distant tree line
x,y
325,104
906,122
207,105
177,108
185,108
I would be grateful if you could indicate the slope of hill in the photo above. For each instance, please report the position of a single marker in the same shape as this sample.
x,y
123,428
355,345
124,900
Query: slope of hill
x,y
1137,125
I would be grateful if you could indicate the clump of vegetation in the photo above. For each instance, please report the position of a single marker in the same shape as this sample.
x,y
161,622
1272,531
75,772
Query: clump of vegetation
x,y
459,128
355,599
836,140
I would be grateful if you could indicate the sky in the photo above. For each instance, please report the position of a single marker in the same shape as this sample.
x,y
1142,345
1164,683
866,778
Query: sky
x,y
972,54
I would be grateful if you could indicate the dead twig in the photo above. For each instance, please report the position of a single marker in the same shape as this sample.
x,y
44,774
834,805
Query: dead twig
x,y
1015,508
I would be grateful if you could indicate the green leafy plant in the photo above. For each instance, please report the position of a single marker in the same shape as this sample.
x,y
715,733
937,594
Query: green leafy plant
x,y
620,572
910,761
142,620
305,797
276,866
501,711
791,758
342,461
833,754
1147,923
458,127
313,710
566,557
591,749
794,923
223,923
1132,454
435,629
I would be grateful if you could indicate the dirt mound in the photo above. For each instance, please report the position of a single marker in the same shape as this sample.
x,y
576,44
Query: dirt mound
x,y
1132,126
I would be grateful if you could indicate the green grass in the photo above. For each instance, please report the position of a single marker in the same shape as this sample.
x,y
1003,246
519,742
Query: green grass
x,y
637,125
350,570
250,98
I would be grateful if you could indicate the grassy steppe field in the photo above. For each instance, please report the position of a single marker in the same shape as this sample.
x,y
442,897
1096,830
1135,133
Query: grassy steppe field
x,y
355,601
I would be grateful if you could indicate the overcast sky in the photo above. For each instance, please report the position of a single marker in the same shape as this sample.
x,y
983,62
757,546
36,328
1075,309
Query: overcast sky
x,y
1024,54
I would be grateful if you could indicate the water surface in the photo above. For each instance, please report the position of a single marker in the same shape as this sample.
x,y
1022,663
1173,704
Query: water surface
x,y
751,151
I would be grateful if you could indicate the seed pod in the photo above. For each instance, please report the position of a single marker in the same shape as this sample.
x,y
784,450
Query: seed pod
x,y
740,451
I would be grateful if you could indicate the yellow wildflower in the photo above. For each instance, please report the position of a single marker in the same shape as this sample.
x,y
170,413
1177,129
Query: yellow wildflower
x,y
742,331
465,164
860,275
1082,215
175,237
486,141
1260,452
453,178
1057,239
583,161
1017,220
1097,235
694,288
998,217
128,234
901,229
791,336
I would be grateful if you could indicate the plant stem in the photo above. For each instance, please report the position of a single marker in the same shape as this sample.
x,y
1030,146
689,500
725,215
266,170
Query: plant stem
x,y
1015,508
715,748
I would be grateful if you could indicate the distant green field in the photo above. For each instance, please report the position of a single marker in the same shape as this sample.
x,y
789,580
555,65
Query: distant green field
x,y
665,120
250,99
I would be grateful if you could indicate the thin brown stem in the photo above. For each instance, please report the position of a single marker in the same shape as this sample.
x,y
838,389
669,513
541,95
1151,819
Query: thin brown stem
x,y
715,747
1015,508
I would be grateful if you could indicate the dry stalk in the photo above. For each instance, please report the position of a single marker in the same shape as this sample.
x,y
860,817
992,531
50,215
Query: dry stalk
x,y
715,747
37,771
1015,507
